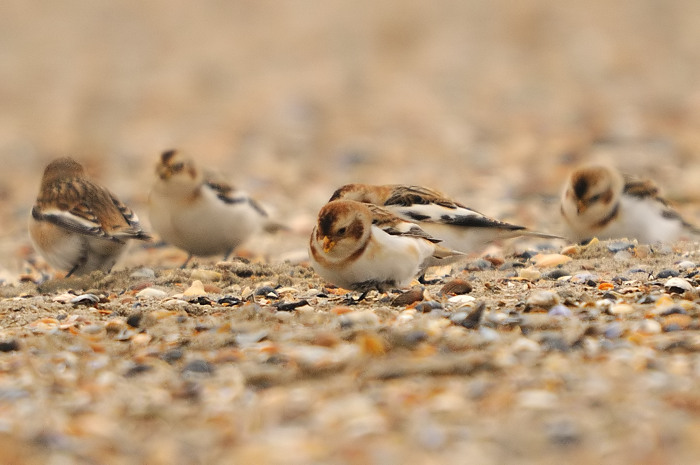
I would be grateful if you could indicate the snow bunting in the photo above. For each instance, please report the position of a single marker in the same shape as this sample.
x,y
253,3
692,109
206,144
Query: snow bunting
x,y
458,227
361,247
77,225
199,215
598,201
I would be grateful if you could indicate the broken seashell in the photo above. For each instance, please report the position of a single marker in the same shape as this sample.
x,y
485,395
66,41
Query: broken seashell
x,y
550,260
196,289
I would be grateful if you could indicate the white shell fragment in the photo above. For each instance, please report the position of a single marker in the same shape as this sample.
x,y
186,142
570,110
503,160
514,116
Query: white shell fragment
x,y
678,284
151,292
196,289
550,260
461,299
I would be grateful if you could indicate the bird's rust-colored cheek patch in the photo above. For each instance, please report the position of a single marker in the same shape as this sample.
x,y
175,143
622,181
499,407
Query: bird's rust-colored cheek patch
x,y
356,229
607,197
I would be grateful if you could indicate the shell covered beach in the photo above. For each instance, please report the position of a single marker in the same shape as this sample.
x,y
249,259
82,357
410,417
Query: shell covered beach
x,y
531,352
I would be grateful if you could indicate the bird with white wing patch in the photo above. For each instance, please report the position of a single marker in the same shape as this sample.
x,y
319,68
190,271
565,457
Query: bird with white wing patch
x,y
77,225
598,201
203,216
457,226
361,247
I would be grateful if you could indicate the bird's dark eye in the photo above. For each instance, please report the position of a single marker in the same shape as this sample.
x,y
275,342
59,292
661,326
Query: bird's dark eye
x,y
177,166
595,198
342,231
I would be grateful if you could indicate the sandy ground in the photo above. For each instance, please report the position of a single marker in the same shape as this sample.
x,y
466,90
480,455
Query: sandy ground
x,y
589,361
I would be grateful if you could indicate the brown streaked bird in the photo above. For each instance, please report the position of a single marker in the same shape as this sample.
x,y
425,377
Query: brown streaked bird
x,y
457,226
361,247
77,225
190,210
598,201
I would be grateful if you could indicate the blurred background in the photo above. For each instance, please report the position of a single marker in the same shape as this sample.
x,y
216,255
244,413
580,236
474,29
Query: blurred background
x,y
492,101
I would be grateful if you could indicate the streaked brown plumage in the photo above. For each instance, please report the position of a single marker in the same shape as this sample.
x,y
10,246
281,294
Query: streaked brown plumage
x,y
78,225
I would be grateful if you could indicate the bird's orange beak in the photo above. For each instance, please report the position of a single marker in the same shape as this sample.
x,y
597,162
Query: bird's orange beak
x,y
581,206
328,244
163,172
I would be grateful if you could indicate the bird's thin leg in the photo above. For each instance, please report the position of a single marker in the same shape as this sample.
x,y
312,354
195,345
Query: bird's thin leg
x,y
81,260
72,270
184,265
350,301
228,254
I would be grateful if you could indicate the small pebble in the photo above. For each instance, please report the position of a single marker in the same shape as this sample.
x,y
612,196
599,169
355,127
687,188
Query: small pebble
x,y
488,335
134,320
408,297
559,310
479,265
229,301
143,273
621,309
554,342
612,331
673,310
685,265
137,370
455,287
649,327
291,306
677,320
543,299
556,274
458,317
510,264
523,344
584,278
643,251
366,319
198,366
623,255
428,306
172,356
563,433
618,246
638,270
267,291
530,273
663,274
247,339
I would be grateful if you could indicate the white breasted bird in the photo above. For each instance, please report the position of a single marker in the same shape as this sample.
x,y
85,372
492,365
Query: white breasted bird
x,y
598,201
77,225
457,226
361,247
201,216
